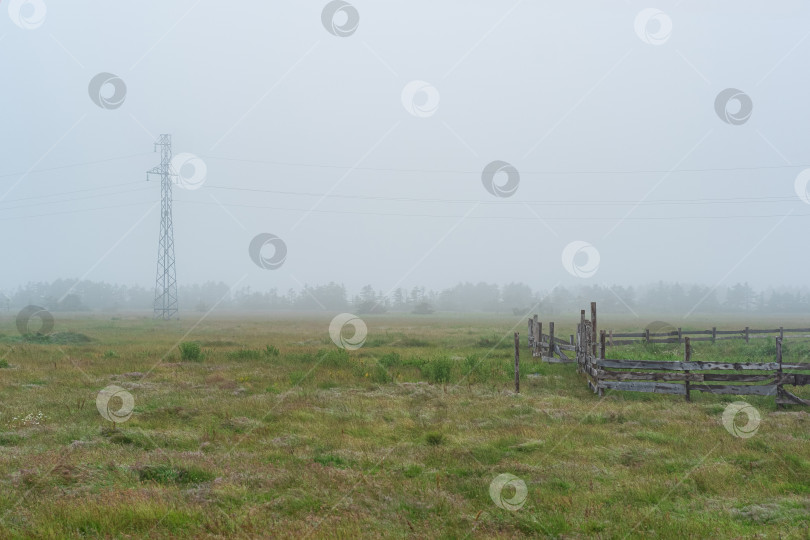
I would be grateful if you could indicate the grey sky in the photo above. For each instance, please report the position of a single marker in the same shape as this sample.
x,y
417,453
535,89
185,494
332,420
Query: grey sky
x,y
272,101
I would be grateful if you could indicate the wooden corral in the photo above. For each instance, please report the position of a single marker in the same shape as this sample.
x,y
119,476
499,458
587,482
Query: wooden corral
x,y
679,378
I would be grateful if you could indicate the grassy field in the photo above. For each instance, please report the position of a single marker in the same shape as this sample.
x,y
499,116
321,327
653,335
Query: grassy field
x,y
270,430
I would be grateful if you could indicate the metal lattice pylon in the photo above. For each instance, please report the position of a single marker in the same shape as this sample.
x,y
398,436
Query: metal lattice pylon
x,y
166,279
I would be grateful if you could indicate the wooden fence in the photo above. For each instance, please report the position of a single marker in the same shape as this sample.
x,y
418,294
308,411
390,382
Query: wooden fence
x,y
678,335
539,343
680,377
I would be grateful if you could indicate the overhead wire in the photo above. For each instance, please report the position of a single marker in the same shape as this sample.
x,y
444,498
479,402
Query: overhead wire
x,y
510,217
46,195
561,202
606,202
72,165
77,211
522,171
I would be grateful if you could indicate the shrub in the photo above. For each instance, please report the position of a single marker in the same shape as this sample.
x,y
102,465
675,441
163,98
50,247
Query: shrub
x,y
380,375
190,351
470,363
390,359
297,377
438,370
271,350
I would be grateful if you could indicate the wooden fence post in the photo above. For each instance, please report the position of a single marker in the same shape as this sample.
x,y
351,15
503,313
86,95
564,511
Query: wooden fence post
x,y
778,371
781,333
602,336
551,340
538,340
687,356
517,363
602,356
583,348
647,335
714,334
746,334
589,356
571,340
530,335
680,336
593,327
581,338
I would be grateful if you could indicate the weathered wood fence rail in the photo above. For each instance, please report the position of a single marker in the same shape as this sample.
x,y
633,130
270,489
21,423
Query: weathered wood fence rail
x,y
668,377
677,336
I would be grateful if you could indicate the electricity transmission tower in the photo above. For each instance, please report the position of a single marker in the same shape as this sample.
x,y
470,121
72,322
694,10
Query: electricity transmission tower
x,y
166,280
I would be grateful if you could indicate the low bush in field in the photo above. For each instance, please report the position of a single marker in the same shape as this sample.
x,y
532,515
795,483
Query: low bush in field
x,y
438,370
190,351
380,375
391,359
473,366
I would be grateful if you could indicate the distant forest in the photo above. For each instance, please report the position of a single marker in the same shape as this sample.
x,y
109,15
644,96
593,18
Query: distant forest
x,y
515,298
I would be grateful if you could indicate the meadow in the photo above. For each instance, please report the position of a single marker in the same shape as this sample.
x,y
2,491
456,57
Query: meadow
x,y
254,427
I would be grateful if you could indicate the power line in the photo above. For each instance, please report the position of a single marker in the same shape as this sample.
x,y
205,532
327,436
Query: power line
x,y
423,170
703,201
70,192
522,172
107,207
36,171
74,199
518,218
729,200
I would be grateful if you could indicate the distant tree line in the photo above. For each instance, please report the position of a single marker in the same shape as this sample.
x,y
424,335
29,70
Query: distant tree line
x,y
515,298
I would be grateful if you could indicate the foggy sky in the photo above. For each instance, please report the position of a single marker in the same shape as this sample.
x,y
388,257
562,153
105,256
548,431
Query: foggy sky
x,y
567,92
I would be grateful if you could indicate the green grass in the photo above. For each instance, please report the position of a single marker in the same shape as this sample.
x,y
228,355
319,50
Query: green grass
x,y
167,474
190,351
400,438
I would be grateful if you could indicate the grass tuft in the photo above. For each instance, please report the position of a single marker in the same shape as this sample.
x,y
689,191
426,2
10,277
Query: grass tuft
x,y
434,438
168,474
190,351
